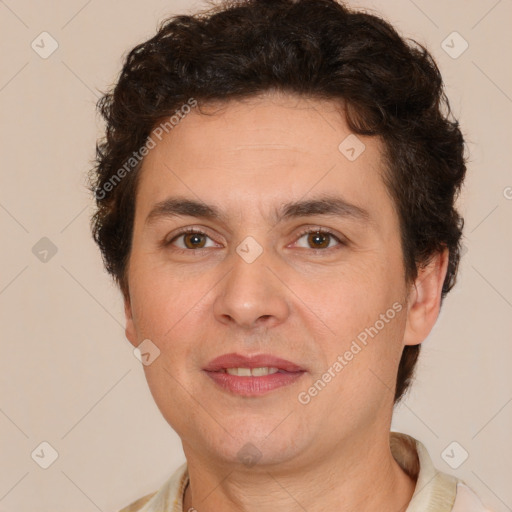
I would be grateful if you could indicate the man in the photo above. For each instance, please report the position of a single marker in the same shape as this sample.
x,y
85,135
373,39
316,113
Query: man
x,y
275,200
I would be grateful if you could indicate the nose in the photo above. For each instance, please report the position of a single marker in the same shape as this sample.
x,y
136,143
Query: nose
x,y
251,296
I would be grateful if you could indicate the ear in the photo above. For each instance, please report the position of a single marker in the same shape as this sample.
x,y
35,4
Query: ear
x,y
130,331
424,300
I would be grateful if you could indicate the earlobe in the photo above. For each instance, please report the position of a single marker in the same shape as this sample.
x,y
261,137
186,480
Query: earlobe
x,y
130,326
425,299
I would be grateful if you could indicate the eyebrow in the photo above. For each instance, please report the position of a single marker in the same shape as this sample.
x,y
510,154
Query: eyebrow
x,y
334,206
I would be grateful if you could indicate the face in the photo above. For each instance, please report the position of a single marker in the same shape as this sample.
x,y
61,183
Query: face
x,y
295,264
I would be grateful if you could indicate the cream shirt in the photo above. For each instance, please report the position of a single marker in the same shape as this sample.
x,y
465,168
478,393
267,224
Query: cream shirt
x,y
435,491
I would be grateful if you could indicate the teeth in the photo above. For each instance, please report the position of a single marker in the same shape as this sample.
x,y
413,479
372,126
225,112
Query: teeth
x,y
251,372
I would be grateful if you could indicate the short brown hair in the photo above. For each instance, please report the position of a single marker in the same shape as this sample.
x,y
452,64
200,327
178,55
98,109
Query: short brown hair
x,y
315,48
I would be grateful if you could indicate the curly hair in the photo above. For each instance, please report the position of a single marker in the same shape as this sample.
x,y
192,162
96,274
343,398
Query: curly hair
x,y
391,88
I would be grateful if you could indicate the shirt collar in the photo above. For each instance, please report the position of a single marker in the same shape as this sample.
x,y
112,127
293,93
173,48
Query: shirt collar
x,y
434,492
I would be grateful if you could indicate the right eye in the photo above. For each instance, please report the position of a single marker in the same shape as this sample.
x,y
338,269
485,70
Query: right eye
x,y
191,239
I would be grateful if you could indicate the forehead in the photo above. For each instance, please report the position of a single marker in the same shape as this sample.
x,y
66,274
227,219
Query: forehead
x,y
284,124
267,149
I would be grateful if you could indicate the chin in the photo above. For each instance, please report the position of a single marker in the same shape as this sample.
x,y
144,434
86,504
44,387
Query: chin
x,y
251,444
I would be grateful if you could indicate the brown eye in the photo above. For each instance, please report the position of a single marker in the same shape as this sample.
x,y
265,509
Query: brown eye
x,y
319,240
194,240
190,240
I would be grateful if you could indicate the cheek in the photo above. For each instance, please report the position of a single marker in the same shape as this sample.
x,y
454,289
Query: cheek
x,y
161,301
360,313
346,298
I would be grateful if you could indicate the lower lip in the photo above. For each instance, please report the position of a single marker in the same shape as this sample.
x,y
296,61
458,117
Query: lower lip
x,y
253,386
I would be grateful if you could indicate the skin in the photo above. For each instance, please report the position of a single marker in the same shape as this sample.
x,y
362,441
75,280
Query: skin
x,y
294,301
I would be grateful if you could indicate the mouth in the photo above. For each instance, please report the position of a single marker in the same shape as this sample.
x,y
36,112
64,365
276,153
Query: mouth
x,y
252,375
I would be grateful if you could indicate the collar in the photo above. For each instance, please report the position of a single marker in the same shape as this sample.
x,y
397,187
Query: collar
x,y
434,492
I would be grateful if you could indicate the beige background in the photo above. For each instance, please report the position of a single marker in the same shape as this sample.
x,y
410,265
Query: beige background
x,y
69,377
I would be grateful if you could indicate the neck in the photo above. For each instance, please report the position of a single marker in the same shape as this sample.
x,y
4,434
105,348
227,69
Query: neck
x,y
363,477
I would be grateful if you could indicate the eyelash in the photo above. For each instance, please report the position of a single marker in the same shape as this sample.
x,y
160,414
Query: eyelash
x,y
306,231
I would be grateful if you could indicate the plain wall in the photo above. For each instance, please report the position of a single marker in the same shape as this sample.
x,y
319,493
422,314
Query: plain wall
x,y
69,376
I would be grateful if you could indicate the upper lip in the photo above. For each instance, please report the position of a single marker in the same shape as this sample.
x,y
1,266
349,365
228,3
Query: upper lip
x,y
234,360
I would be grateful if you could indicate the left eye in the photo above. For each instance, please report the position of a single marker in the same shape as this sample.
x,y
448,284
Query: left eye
x,y
319,239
